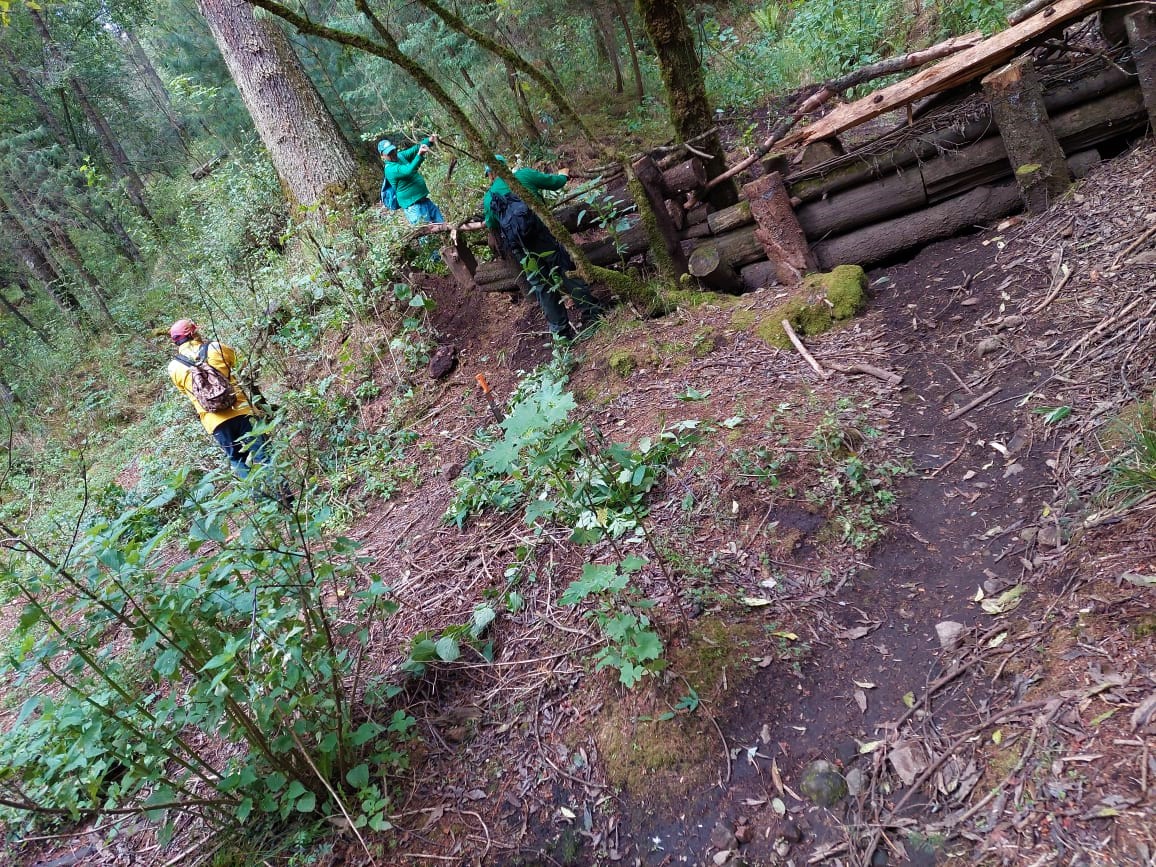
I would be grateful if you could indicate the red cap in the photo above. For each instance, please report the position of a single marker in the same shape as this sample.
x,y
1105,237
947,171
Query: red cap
x,y
182,330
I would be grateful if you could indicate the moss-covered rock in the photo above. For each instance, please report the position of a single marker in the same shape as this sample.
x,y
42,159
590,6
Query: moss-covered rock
x,y
705,342
846,289
823,300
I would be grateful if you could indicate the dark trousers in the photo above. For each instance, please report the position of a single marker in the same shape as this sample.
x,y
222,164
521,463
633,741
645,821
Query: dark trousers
x,y
547,284
235,436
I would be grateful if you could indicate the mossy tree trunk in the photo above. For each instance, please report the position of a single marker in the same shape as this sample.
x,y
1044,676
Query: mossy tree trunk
x,y
690,110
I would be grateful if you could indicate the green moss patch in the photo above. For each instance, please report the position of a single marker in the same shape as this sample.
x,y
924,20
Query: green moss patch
x,y
823,300
622,361
666,758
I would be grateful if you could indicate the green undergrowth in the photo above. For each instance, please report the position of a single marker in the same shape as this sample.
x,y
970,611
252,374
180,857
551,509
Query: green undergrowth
x,y
565,474
230,640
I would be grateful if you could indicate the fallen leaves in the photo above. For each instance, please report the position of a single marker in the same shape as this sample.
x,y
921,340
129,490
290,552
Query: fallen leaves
x,y
1007,601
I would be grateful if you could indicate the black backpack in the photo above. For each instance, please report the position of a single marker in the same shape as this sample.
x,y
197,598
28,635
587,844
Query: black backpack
x,y
211,388
519,227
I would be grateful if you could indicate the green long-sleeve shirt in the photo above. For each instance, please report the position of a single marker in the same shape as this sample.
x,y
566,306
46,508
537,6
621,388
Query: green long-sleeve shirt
x,y
529,178
405,177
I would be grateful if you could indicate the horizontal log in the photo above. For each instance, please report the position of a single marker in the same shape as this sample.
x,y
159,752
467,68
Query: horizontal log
x,y
857,168
873,244
965,66
721,222
700,230
860,206
613,250
684,177
698,214
496,271
1089,125
708,265
955,171
738,248
1078,130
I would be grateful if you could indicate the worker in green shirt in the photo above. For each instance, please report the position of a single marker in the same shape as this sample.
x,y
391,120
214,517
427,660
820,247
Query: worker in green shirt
x,y
402,172
544,261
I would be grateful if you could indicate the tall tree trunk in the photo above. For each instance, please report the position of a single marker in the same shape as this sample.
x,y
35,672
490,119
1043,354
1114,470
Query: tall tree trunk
x,y
487,113
105,217
15,311
334,91
524,113
636,68
37,259
690,111
604,26
156,88
311,156
111,144
27,86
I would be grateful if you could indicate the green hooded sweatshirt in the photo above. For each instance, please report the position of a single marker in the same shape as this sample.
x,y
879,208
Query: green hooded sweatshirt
x,y
532,180
405,177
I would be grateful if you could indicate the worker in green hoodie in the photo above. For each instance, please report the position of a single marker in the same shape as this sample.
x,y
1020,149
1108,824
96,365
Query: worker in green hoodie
x,y
402,172
544,261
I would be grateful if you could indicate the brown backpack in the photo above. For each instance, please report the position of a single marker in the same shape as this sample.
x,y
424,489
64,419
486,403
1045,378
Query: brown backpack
x,y
211,388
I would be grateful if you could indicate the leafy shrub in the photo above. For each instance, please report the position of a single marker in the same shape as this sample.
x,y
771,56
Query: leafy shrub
x,y
232,644
544,458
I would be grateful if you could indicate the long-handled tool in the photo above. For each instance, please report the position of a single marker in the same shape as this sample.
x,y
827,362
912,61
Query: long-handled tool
x,y
489,396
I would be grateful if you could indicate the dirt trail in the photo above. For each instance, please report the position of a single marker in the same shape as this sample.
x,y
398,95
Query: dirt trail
x,y
925,571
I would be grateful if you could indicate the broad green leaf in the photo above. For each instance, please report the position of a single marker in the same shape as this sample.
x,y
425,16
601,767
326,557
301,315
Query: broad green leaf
x,y
448,649
358,777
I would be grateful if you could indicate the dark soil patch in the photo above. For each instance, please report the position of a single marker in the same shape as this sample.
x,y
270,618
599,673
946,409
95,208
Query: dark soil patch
x,y
926,570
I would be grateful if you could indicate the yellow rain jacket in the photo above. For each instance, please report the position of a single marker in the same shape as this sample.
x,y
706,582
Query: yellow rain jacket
x,y
224,359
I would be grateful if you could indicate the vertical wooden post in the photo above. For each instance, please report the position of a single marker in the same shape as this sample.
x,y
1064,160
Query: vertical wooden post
x,y
460,260
650,179
1141,28
1017,105
778,228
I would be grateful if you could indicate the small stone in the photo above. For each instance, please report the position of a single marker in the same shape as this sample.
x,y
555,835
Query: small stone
x,y
443,361
855,781
987,346
452,471
1029,533
1050,536
722,857
879,859
786,830
991,586
908,760
823,784
950,634
744,833
782,847
723,837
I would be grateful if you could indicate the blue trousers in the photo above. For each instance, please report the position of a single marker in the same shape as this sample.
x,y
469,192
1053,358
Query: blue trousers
x,y
235,436
423,211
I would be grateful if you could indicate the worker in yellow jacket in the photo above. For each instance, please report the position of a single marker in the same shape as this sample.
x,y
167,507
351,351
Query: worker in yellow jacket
x,y
232,427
